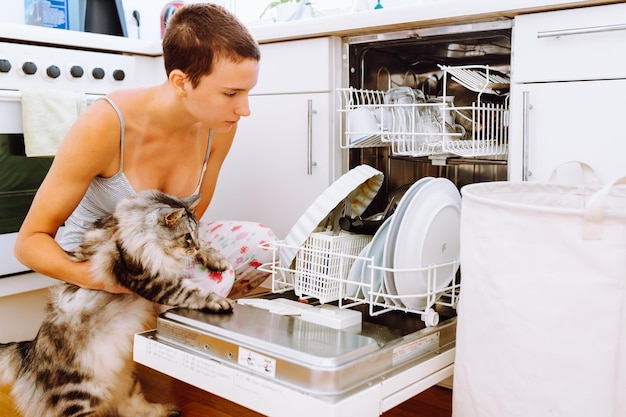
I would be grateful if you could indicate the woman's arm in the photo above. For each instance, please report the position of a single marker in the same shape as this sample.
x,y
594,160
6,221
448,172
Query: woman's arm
x,y
90,148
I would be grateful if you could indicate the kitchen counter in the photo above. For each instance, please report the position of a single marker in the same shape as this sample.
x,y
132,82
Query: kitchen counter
x,y
422,13
82,40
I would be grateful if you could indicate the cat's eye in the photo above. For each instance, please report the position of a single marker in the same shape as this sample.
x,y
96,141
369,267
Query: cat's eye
x,y
188,238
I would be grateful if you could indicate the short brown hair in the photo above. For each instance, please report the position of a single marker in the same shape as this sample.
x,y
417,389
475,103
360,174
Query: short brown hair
x,y
199,34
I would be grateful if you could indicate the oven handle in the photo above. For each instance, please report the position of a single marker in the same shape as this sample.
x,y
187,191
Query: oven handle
x,y
15,96
10,96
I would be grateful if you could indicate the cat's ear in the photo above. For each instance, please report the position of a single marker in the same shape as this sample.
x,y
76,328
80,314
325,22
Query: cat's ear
x,y
192,201
173,215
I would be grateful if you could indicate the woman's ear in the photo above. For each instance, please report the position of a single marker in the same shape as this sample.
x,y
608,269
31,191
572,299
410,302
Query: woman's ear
x,y
178,81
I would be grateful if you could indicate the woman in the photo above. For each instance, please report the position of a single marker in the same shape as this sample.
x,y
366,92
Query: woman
x,y
172,137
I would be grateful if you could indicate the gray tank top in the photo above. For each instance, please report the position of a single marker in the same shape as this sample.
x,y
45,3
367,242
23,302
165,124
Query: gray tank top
x,y
104,193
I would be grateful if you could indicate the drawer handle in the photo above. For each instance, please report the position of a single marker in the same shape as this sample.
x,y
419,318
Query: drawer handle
x,y
526,107
580,31
309,139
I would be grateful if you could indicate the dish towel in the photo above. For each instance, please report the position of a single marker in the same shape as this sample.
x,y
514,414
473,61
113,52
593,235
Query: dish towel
x,y
47,115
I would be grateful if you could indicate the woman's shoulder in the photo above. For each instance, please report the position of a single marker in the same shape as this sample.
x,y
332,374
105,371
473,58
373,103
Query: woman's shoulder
x,y
131,97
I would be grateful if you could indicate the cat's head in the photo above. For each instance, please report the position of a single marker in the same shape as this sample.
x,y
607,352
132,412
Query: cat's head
x,y
155,223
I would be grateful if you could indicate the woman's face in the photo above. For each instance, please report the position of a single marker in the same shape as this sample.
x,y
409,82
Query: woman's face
x,y
221,98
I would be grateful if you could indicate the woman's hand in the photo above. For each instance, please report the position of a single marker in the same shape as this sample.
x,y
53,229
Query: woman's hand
x,y
89,282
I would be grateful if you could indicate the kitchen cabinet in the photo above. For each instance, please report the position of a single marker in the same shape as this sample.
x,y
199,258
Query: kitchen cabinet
x,y
285,153
567,93
265,178
574,121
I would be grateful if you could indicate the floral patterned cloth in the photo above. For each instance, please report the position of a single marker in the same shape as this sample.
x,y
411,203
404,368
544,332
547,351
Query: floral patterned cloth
x,y
242,244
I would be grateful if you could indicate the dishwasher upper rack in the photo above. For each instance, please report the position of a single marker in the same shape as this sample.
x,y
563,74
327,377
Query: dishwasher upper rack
x,y
410,130
370,290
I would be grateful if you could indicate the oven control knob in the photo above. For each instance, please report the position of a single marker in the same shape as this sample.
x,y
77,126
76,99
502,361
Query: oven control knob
x,y
29,68
119,75
76,71
5,65
97,73
53,71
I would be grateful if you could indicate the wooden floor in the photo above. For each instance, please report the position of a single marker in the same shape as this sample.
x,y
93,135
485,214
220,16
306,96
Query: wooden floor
x,y
194,402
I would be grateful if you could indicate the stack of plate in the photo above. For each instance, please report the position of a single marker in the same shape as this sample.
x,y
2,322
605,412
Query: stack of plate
x,y
419,240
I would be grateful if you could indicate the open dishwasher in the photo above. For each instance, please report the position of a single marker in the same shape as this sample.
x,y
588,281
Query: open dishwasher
x,y
329,337
340,333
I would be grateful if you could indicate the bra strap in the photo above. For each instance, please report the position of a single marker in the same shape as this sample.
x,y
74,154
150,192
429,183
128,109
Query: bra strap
x,y
122,129
206,161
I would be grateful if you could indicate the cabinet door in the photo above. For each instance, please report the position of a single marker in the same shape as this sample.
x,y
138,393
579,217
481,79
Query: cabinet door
x,y
567,121
304,65
570,45
279,162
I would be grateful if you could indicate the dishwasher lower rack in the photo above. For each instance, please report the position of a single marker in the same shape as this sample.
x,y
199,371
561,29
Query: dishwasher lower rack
x,y
324,273
431,126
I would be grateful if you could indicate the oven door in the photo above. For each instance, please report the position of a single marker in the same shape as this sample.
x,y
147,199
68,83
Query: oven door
x,y
20,177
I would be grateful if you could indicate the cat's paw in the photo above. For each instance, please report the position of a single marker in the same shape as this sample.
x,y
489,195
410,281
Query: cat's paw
x,y
218,304
212,259
174,413
168,410
137,406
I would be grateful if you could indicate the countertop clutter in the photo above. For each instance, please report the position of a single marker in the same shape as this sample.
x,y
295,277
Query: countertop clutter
x,y
422,13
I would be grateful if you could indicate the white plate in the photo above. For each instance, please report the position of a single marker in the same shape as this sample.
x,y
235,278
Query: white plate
x,y
376,250
428,235
355,276
394,227
360,185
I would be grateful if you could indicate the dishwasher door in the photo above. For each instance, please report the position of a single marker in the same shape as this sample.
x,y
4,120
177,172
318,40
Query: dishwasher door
x,y
273,399
253,365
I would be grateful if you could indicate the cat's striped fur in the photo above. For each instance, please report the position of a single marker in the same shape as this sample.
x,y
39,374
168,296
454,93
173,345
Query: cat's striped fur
x,y
80,363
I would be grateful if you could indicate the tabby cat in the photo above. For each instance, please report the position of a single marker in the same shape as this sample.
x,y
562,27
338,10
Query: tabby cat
x,y
80,363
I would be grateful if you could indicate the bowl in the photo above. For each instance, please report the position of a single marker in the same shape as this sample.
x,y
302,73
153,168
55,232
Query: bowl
x,y
362,123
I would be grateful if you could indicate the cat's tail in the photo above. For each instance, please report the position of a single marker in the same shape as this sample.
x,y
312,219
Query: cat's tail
x,y
10,358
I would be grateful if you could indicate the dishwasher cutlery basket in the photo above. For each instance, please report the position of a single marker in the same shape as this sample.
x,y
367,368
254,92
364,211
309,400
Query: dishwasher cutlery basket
x,y
542,321
322,265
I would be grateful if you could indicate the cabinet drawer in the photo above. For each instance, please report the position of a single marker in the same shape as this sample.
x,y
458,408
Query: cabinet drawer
x,y
301,66
578,44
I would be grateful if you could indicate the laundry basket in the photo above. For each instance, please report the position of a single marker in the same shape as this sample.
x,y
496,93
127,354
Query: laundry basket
x,y
542,316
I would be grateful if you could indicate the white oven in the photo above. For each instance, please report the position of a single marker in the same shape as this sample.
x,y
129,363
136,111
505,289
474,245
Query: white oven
x,y
53,60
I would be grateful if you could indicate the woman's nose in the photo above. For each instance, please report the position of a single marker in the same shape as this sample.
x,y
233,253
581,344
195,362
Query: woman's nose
x,y
243,107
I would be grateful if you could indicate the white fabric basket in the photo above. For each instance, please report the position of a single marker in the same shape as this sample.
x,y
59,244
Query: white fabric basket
x,y
542,311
